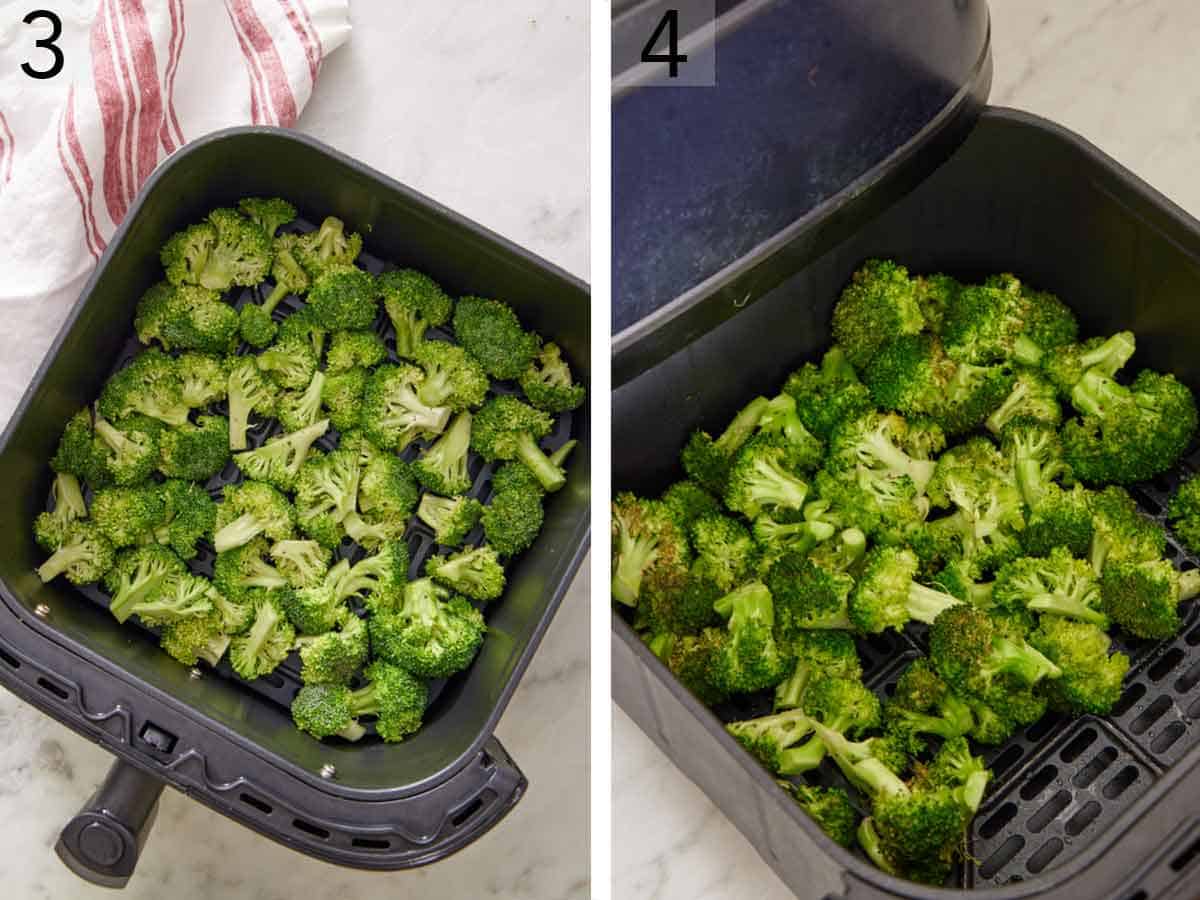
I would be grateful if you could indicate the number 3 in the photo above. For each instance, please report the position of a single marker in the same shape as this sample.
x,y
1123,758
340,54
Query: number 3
x,y
46,43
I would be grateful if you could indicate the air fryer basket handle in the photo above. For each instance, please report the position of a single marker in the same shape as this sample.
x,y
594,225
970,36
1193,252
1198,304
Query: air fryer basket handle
x,y
490,791
102,843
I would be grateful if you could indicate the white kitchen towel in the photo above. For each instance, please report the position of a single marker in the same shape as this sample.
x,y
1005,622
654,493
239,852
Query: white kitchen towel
x,y
139,79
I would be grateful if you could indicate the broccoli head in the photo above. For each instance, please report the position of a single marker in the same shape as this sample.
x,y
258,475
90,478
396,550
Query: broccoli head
x,y
138,577
149,385
1143,597
225,250
250,391
816,654
969,650
266,642
344,298
396,698
1058,585
452,377
414,303
126,515
83,554
451,518
508,429
707,461
126,452
490,331
250,509
348,349
443,465
1091,677
50,528
879,303
886,596
186,317
473,571
188,515
327,247
829,807
278,461
301,563
393,415
924,704
1033,396
828,394
326,493
342,396
335,657
269,213
749,660
432,633
241,573
75,452
512,520
548,383
1120,531
685,500
194,452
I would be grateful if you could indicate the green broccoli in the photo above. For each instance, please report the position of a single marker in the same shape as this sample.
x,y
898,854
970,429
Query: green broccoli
x,y
1184,513
188,515
194,452
239,573
879,303
125,515
127,452
204,379
225,250
443,465
297,410
452,377
770,738
812,592
490,331
186,317
250,391
1033,396
1091,678
1059,585
1143,597
827,395
301,563
149,385
387,488
250,509
414,303
760,479
512,520
473,571
278,461
779,418
335,656
255,323
326,493
327,247
687,501
886,596
924,704
265,644
75,454
451,518
137,579
548,383
50,528
196,638
269,213
302,325
969,651
394,696
289,363
872,441
999,320
707,461
379,579
392,414
83,555
350,349
817,654
1121,532
1067,365
342,397
432,633
508,429
726,548
317,608
344,298
829,807
650,551
749,660
842,704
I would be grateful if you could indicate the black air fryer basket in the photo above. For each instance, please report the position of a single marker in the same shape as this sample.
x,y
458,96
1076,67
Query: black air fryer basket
x,y
227,742
1092,807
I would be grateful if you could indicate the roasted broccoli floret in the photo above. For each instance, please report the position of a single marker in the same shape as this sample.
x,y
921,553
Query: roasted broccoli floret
x,y
969,650
278,461
302,325
194,452
780,418
414,303
829,807
317,608
707,461
473,571
726,548
348,349
393,415
327,247
827,395
335,656
50,528
326,493
760,479
770,738
686,500
344,298
491,332
186,317
451,518
886,596
342,397
137,579
872,442
812,592
149,385
1128,434
816,654
879,303
452,377
83,555
1143,597
265,644
1091,678
302,563
126,515
508,429
396,698
1058,585
1033,396
999,320
296,410
242,572
250,391
1067,365
248,510
432,633
1184,513
548,383
749,660
924,704
127,452
1121,532
443,465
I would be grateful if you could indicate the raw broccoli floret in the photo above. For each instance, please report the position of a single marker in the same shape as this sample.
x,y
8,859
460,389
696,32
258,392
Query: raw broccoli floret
x,y
750,659
380,578
335,656
149,385
886,596
816,654
508,429
1059,585
250,509
1143,597
126,515
879,303
138,577
812,592
432,633
194,452
269,213
443,465
490,331
393,415
1184,513
302,325
387,488
204,379
1067,365
255,322
317,608
297,410
288,363
395,697
250,391
344,298
196,638
327,247
924,704
777,538
348,349
180,596
74,454
1121,532
127,452
50,528
969,651
451,518
83,555
326,493
686,500
278,461
414,303
452,377
473,571
1033,396
265,644
302,563
1091,678
225,250
186,317
829,807
512,520
342,396
825,396
760,479
548,383
241,572
1128,434
707,461
188,515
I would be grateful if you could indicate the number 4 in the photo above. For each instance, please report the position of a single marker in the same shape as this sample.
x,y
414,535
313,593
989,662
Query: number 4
x,y
669,23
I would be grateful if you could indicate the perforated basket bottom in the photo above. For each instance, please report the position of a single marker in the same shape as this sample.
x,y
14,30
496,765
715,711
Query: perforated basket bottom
x,y
280,686
1061,782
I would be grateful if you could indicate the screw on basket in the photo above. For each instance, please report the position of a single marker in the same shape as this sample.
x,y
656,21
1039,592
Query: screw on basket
x,y
41,610
328,771
195,674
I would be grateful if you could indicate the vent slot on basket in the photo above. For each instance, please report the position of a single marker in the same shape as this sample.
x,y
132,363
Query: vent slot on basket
x,y
261,805
1187,857
309,828
9,659
370,843
483,799
51,687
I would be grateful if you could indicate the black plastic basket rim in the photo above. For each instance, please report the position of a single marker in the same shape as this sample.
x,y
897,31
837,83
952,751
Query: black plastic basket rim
x,y
560,577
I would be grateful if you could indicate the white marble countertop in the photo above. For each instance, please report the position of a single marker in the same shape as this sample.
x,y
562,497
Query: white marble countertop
x,y
483,108
1123,74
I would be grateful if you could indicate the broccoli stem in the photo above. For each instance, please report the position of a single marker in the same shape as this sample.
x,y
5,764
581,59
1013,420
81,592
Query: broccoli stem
x,y
241,530
61,560
944,726
559,456
278,292
853,546
123,605
805,758
116,441
352,732
1096,392
1111,355
1030,482
868,839
789,693
264,624
1070,607
661,645
1027,352
1020,660
410,331
925,604
239,421
550,475
1099,552
67,495
741,427
919,470
212,652
1009,408
1189,584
